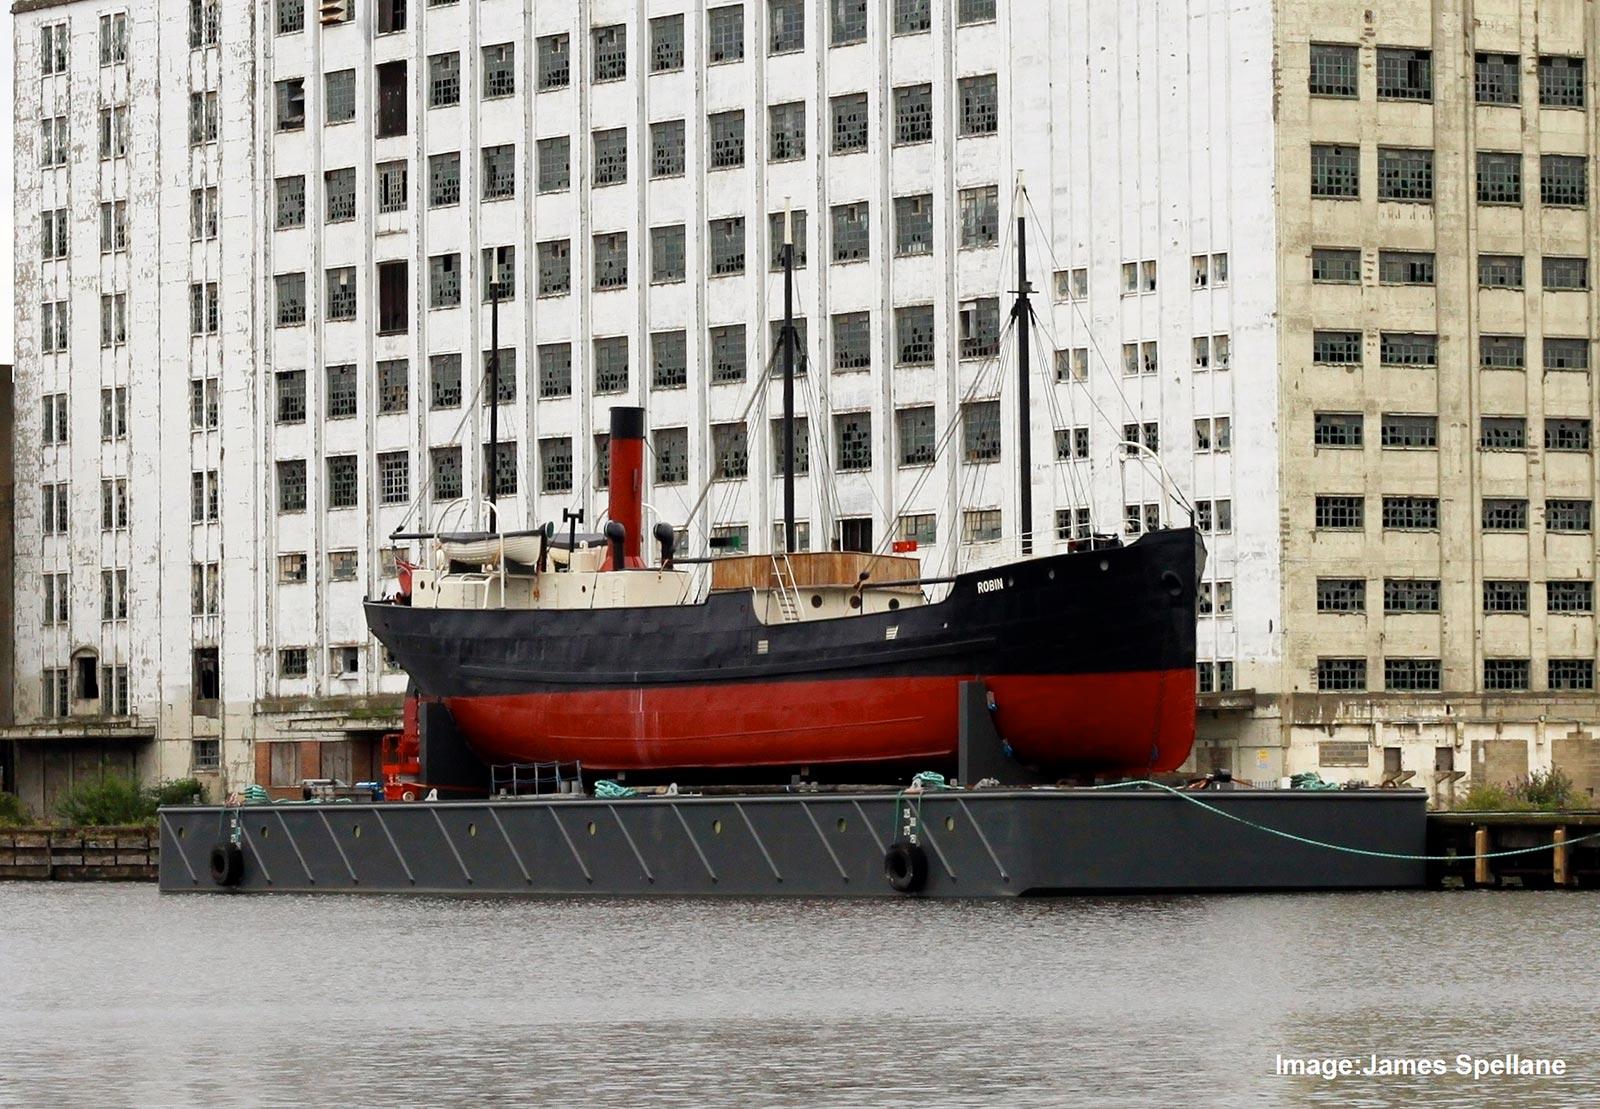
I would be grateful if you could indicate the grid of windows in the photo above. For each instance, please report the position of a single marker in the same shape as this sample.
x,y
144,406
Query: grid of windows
x,y
553,62
1497,78
852,437
913,114
1339,512
1337,429
1560,82
1405,173
1569,596
1335,171
1566,434
669,359
555,164
1405,267
555,465
1563,514
1502,352
610,157
1570,673
725,34
667,253
1336,348
1334,70
980,104
1336,267
1566,354
666,44
1341,595
1503,433
786,132
1400,430
1499,177
1505,596
727,354
667,149
1341,674
1562,273
850,238
1505,514
1563,180
1402,595
850,120
730,452
1505,674
1405,74
727,246
611,364
1412,675
726,139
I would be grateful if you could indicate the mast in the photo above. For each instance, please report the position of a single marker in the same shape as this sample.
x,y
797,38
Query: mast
x,y
788,379
1021,312
494,385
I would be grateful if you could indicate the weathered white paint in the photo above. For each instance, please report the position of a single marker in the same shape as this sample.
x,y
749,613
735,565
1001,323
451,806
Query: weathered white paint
x,y
1143,131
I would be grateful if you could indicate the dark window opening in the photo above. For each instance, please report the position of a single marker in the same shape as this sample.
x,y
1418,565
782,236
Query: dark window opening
x,y
855,534
88,678
207,675
391,99
393,306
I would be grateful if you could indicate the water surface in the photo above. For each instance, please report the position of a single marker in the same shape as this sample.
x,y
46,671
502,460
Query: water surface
x,y
114,995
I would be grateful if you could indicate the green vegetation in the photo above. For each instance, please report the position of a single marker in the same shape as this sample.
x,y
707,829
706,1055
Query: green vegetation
x,y
1541,791
13,812
113,800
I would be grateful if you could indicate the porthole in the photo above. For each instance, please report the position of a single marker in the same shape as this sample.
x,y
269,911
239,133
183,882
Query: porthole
x,y
1105,564
263,831
1011,583
855,601
591,827
716,827
183,832
472,829
949,823
816,600
842,824
1051,575
894,603
355,831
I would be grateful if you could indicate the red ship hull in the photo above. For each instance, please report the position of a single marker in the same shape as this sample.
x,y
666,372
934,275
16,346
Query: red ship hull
x,y
1133,722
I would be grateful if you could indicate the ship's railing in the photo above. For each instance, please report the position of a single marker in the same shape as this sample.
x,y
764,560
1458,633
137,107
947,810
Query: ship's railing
x,y
518,779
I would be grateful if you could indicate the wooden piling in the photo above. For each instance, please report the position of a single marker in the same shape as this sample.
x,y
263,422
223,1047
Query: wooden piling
x,y
1562,875
1480,864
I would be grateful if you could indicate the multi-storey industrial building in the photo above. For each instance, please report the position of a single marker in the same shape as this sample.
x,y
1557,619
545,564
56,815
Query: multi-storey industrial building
x,y
1328,263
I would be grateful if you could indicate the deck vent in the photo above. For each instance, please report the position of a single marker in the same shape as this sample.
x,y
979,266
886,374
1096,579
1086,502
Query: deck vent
x,y
761,646
891,632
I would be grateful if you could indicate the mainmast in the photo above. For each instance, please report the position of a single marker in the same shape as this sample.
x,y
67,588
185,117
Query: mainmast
x,y
1021,313
788,379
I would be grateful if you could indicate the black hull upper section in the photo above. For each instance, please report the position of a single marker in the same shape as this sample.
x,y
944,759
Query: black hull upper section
x,y
1122,609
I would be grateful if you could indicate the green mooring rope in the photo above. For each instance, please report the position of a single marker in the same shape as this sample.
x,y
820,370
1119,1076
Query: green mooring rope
x,y
1190,797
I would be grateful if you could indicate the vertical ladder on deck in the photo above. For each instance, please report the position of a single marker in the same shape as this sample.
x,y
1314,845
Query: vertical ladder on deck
x,y
788,592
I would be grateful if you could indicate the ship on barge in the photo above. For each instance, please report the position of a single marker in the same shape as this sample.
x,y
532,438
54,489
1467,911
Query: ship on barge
x,y
592,648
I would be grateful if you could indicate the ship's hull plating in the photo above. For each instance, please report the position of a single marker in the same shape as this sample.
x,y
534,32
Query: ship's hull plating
x,y
1090,657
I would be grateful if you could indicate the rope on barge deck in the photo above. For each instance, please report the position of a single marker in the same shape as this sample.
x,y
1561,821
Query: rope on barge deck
x,y
1345,848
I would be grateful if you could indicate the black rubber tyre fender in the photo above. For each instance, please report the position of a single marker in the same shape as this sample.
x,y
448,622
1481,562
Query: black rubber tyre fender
x,y
905,865
227,864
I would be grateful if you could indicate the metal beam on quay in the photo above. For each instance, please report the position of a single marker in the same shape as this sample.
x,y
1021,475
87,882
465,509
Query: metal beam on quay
x,y
976,843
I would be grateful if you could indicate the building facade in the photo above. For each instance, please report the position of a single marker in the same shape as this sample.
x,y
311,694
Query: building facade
x,y
259,247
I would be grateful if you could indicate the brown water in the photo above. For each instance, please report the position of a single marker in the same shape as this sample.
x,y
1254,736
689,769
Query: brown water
x,y
113,995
